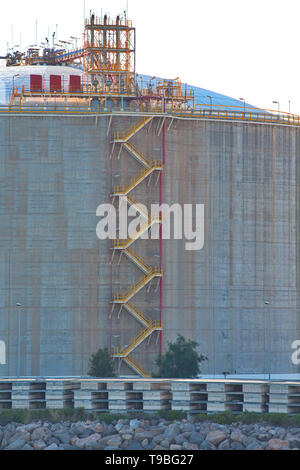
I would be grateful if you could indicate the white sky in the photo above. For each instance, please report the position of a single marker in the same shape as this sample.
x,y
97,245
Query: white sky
x,y
241,48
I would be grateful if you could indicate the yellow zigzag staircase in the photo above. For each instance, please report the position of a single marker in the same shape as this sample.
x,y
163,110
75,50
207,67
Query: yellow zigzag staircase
x,y
124,190
149,272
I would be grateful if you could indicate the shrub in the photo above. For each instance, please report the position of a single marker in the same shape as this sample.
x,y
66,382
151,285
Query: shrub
x,y
181,360
101,364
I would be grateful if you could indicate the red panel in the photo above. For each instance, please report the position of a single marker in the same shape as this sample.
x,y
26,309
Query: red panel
x,y
75,83
55,83
36,82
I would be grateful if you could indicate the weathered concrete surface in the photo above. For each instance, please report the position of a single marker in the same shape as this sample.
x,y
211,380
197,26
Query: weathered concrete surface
x,y
53,174
55,171
247,175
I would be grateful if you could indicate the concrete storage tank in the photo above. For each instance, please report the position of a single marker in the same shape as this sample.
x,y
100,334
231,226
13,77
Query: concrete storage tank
x,y
77,293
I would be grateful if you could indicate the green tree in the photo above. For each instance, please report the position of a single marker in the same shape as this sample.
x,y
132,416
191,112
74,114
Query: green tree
x,y
181,360
101,364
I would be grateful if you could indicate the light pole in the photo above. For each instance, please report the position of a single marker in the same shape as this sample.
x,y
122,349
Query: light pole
x,y
277,102
150,84
119,354
14,76
208,96
19,340
243,99
119,358
269,342
124,347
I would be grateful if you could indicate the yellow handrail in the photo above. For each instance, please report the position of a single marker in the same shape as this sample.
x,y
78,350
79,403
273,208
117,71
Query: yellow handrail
x,y
137,367
142,157
117,353
155,325
153,272
138,259
12,96
140,209
263,116
123,190
119,244
126,136
139,314
150,271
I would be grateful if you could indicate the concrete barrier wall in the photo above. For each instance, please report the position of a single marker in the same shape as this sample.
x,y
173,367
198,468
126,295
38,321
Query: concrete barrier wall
x,y
134,395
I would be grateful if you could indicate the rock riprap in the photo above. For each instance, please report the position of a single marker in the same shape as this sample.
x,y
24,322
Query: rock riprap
x,y
147,434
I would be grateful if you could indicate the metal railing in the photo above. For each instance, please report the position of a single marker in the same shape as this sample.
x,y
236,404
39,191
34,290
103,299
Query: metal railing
x,y
123,244
99,20
149,271
141,316
117,354
124,136
138,260
124,190
220,113
137,367
155,325
123,352
135,288
139,208
130,148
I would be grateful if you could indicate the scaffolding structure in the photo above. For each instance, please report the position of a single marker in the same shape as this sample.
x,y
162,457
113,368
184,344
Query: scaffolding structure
x,y
108,59
109,55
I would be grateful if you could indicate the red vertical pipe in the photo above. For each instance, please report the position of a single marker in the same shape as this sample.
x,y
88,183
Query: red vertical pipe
x,y
160,233
111,244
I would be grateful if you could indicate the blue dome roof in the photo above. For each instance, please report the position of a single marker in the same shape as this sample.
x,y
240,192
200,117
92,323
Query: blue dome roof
x,y
201,96
22,75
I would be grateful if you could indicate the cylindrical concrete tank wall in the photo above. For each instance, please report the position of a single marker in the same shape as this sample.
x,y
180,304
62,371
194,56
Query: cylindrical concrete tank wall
x,y
56,170
247,175
54,173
